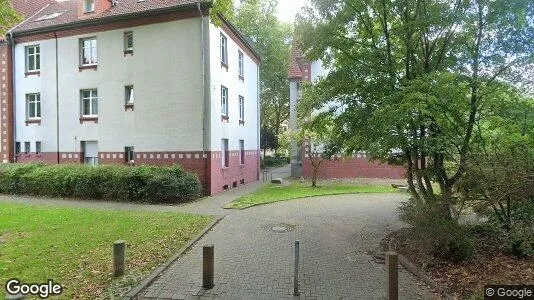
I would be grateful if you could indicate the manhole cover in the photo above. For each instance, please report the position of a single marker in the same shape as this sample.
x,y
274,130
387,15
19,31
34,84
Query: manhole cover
x,y
279,229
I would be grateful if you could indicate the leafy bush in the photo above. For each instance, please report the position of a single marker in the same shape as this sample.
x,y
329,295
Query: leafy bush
x,y
274,161
447,239
118,183
520,236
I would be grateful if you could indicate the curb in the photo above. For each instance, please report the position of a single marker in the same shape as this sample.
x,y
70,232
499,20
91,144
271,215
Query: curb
x,y
134,293
412,268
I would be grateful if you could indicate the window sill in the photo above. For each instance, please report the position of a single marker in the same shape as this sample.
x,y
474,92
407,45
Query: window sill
x,y
128,106
88,67
88,119
225,169
224,65
241,122
33,121
225,119
30,73
128,52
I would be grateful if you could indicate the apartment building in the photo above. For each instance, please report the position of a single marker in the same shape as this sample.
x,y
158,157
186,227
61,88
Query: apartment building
x,y
132,82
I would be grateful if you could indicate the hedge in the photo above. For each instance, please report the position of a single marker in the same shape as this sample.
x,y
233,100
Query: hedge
x,y
274,161
116,183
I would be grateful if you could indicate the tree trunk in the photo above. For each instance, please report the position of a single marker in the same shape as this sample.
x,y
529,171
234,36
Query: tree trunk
x,y
446,202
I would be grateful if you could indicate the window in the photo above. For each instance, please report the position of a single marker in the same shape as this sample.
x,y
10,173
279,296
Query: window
x,y
224,50
88,6
241,109
33,106
129,94
33,58
88,52
242,152
129,154
128,41
224,101
225,154
241,65
89,102
37,147
17,148
27,146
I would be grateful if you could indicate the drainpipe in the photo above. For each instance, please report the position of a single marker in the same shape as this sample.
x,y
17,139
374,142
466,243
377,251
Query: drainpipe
x,y
57,99
259,121
205,98
14,96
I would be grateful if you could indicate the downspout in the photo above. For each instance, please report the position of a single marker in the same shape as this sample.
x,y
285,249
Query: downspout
x,y
259,120
13,97
204,97
57,99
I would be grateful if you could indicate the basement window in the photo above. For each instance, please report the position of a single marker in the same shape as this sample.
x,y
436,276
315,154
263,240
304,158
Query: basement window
x,y
27,147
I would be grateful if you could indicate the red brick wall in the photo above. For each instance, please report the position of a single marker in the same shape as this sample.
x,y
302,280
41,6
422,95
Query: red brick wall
x,y
235,172
209,169
353,167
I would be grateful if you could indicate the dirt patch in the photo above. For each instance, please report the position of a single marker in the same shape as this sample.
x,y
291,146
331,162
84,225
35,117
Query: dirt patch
x,y
490,265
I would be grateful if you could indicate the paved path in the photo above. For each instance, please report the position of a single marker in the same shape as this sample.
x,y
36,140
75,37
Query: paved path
x,y
337,235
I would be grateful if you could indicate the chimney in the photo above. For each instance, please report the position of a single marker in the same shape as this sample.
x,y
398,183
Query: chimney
x,y
90,8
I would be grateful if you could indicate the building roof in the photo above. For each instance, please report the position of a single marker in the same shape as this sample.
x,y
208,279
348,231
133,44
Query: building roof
x,y
28,8
65,12
299,66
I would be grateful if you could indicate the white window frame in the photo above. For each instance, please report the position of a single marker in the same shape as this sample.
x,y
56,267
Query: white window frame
x,y
93,98
241,108
224,49
241,152
88,6
33,100
127,35
224,101
36,66
241,58
225,153
93,51
129,94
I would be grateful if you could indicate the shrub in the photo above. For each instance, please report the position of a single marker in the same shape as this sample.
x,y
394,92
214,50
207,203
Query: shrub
x,y
446,238
118,183
274,161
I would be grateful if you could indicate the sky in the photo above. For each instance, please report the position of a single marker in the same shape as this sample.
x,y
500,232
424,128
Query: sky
x,y
287,9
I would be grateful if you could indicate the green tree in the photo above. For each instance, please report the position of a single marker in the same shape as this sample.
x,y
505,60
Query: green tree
x,y
8,17
413,76
270,37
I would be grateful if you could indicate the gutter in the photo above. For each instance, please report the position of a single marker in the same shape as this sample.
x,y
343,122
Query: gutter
x,y
13,98
205,103
57,98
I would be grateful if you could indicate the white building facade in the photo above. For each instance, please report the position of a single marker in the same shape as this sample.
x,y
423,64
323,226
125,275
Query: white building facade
x,y
141,85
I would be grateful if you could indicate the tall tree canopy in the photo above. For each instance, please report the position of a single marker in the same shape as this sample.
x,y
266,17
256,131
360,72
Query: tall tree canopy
x,y
8,17
257,20
416,77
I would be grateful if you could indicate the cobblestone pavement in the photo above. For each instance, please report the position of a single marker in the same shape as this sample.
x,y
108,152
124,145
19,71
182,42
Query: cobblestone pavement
x,y
337,235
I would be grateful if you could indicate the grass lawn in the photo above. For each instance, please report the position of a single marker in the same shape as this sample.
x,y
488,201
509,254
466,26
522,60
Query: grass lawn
x,y
274,193
74,246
